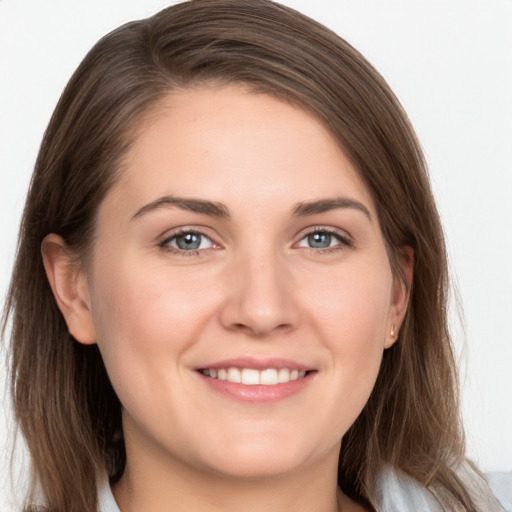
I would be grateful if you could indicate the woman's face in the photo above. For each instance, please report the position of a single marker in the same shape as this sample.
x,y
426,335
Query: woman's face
x,y
239,244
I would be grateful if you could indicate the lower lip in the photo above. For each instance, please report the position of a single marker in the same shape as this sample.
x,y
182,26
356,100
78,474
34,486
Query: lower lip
x,y
258,393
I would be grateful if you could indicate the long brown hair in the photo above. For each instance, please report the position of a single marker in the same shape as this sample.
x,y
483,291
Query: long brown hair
x,y
63,400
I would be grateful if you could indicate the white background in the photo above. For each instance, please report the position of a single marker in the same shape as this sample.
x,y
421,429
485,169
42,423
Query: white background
x,y
449,62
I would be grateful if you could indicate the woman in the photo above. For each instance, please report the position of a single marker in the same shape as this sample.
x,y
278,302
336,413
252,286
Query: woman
x,y
240,301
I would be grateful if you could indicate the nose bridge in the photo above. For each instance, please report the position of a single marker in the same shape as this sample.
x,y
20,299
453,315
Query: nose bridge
x,y
261,292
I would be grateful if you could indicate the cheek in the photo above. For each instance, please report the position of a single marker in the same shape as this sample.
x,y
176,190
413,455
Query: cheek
x,y
350,313
351,307
145,319
142,304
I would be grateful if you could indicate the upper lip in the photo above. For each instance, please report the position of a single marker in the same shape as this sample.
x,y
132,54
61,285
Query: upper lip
x,y
258,364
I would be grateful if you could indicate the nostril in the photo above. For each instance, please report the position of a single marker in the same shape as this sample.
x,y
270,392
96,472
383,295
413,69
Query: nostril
x,y
258,316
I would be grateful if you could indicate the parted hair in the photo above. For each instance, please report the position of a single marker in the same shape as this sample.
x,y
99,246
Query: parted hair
x,y
63,400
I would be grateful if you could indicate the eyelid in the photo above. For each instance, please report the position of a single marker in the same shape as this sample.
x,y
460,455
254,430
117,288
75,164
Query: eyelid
x,y
167,236
346,240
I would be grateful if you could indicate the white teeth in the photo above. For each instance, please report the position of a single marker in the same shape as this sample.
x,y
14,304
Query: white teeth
x,y
234,375
252,377
269,377
284,375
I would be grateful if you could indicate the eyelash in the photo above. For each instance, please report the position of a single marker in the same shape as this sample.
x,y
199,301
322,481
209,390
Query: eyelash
x,y
164,244
344,242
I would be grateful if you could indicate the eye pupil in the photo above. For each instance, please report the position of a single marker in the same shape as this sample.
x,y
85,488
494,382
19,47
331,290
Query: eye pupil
x,y
189,241
319,240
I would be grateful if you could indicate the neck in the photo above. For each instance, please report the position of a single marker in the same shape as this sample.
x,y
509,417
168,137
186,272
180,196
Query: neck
x,y
149,483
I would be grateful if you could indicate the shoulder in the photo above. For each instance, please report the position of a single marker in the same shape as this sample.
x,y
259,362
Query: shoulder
x,y
501,485
398,492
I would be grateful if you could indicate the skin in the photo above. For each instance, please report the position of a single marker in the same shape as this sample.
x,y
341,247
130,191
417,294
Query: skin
x,y
254,288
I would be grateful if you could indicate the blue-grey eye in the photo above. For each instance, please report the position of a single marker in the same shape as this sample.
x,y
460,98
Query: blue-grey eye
x,y
320,240
190,241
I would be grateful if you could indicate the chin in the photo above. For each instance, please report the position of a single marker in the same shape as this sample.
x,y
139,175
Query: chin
x,y
258,467
266,458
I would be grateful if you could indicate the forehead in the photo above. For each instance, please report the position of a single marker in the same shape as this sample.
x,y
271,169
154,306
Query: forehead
x,y
230,144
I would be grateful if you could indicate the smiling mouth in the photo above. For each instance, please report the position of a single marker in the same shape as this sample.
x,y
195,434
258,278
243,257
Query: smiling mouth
x,y
253,377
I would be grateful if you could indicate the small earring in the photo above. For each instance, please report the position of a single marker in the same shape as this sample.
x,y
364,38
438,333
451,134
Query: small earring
x,y
393,333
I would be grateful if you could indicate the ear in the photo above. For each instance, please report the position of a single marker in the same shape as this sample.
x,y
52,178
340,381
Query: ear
x,y
70,288
400,294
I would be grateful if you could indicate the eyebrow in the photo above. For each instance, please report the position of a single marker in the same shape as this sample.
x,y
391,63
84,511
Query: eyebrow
x,y
216,209
193,205
325,205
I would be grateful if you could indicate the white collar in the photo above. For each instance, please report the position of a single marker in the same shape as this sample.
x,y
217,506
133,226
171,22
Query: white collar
x,y
106,501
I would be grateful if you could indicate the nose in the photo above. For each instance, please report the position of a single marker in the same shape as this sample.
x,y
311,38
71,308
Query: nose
x,y
261,298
